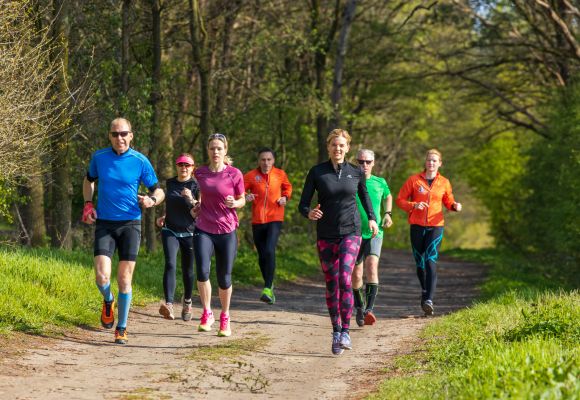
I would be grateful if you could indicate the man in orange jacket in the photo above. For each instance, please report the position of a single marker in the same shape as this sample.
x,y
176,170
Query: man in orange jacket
x,y
268,189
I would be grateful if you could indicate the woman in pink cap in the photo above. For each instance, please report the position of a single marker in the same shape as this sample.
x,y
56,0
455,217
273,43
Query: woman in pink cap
x,y
178,225
222,191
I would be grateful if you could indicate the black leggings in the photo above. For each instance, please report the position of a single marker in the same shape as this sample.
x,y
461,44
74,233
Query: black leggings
x,y
426,241
266,238
171,245
225,247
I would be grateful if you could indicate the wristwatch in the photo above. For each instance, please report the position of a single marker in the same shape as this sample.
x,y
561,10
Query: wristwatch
x,y
154,199
390,213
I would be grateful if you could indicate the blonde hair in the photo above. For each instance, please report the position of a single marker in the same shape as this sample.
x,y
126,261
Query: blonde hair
x,y
335,133
434,151
222,138
119,120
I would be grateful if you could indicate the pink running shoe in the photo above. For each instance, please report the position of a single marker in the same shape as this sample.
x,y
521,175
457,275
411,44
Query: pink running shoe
x,y
224,325
207,320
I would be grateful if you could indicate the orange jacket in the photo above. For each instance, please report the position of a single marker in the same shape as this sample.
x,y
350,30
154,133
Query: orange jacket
x,y
416,189
267,188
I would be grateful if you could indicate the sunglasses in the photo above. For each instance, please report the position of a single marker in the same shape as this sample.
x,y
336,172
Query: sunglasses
x,y
182,164
219,136
368,162
121,133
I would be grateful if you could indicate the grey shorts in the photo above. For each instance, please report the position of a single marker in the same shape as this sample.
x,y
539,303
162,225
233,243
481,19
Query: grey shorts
x,y
369,247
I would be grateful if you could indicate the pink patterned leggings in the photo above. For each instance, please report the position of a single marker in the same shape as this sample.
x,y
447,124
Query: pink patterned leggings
x,y
337,257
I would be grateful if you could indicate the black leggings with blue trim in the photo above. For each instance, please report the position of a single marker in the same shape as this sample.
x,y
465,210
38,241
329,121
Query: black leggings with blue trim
x,y
426,241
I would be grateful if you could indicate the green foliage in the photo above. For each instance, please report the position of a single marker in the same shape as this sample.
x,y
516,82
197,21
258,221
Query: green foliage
x,y
550,211
519,343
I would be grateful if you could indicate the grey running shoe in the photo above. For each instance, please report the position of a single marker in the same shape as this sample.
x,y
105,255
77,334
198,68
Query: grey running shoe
x,y
166,309
345,341
186,311
360,316
336,347
427,307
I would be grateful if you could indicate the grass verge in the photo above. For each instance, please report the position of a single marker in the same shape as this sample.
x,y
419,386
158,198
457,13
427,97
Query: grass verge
x,y
522,340
44,291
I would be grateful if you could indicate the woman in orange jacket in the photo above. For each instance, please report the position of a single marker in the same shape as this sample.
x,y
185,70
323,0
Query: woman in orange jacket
x,y
423,196
269,189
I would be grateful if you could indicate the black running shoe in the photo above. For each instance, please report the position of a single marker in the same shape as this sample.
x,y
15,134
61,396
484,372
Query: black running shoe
x,y
427,307
360,317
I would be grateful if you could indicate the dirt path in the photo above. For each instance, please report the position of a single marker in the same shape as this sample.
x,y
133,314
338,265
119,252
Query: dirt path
x,y
275,352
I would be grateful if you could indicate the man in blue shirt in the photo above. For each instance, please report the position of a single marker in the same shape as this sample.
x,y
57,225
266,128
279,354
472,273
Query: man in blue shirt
x,y
119,170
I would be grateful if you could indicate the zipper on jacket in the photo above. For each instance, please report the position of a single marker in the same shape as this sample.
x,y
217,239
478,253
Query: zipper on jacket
x,y
266,197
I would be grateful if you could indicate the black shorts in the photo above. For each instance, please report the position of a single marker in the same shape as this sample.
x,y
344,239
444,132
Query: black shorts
x,y
122,235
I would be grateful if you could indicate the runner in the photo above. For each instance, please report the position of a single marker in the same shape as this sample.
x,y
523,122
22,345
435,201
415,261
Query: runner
x,y
338,229
270,188
370,249
177,225
422,197
222,191
119,169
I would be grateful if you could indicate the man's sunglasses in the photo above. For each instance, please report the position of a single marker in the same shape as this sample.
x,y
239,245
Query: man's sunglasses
x,y
368,162
121,133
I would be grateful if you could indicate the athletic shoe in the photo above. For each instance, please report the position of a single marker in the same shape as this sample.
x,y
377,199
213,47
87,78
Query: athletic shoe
x,y
360,316
336,347
345,341
427,306
166,309
186,311
370,318
121,336
108,314
206,321
268,296
225,330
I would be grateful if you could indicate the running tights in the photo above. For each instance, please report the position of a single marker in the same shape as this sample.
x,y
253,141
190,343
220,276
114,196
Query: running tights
x,y
224,247
266,238
337,259
171,244
426,241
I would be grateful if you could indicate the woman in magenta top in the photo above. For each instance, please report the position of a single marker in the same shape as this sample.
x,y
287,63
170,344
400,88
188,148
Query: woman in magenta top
x,y
222,191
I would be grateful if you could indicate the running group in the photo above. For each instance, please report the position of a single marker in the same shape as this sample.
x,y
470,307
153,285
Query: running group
x,y
352,208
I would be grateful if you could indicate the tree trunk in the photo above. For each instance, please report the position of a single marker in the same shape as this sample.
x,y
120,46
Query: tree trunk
x,y
321,50
125,35
155,100
32,212
335,95
61,181
200,54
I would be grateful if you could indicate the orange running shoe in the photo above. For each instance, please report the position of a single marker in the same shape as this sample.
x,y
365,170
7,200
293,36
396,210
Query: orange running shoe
x,y
108,314
121,335
370,318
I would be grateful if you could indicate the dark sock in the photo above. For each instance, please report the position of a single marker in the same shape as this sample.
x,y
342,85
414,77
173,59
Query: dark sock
x,y
359,301
336,328
345,330
372,289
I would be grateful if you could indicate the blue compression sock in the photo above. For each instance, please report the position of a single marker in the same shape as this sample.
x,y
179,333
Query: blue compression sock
x,y
123,305
106,291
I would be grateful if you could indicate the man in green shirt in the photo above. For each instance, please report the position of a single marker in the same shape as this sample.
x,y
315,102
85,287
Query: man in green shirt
x,y
370,249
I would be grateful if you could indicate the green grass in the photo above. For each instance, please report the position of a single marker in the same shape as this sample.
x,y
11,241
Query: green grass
x,y
522,340
45,290
230,349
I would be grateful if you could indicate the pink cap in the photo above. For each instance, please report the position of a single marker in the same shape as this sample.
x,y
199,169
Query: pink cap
x,y
184,159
